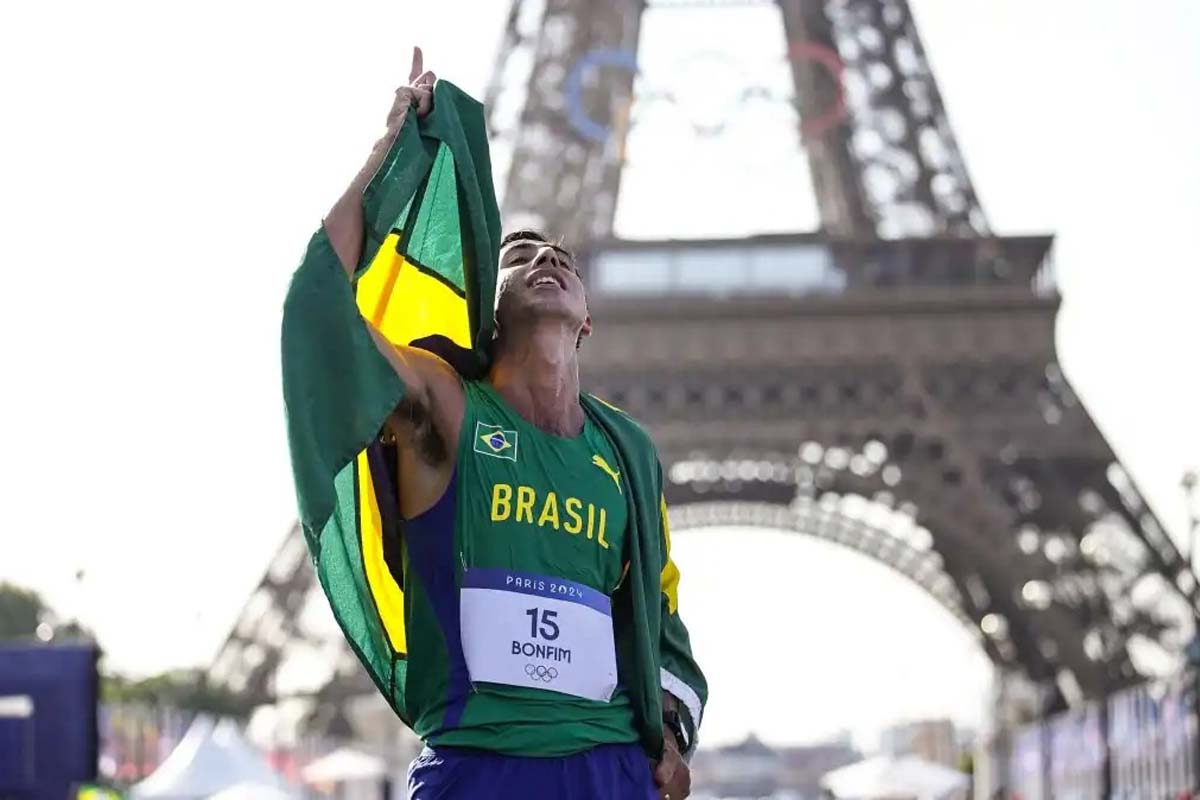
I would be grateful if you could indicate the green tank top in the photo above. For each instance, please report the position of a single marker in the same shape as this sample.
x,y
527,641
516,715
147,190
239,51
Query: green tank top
x,y
521,501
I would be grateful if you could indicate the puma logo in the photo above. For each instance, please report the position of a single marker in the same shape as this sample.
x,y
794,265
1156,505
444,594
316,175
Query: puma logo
x,y
599,461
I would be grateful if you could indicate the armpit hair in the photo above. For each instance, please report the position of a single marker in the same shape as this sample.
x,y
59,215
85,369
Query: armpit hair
x,y
413,424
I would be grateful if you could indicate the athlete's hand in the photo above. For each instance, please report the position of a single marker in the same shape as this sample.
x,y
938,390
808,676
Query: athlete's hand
x,y
418,93
344,223
671,774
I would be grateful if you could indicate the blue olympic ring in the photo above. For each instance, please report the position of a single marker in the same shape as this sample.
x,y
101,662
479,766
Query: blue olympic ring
x,y
587,127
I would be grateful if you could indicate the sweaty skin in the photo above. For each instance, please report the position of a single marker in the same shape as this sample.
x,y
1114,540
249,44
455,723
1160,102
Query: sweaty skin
x,y
541,316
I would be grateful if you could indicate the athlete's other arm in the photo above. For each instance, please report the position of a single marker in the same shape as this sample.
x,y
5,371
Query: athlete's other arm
x,y
430,414
671,773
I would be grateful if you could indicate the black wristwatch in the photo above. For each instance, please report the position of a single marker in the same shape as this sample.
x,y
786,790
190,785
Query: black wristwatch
x,y
674,723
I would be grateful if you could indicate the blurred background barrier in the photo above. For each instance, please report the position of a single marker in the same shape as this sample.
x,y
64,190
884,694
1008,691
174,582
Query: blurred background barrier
x,y
1140,742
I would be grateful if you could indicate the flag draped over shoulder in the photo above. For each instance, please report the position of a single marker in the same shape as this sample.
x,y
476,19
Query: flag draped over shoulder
x,y
428,278
428,270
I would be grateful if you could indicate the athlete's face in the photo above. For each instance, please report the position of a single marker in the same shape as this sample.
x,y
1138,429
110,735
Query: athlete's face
x,y
540,279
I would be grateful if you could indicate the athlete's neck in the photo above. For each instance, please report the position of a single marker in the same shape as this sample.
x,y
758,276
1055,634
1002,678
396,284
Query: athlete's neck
x,y
536,371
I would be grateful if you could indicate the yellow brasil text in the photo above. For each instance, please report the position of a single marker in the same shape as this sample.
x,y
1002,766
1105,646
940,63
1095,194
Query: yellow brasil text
x,y
522,505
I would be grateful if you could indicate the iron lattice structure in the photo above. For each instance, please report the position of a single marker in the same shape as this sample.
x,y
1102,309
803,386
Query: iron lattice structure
x,y
917,416
892,168
905,401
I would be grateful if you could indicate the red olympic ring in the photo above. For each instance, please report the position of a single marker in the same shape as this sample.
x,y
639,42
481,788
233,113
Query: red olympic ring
x,y
832,62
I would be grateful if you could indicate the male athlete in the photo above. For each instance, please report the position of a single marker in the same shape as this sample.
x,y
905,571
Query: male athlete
x,y
530,481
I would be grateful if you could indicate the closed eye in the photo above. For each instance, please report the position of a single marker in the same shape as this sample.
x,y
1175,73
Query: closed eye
x,y
512,259
521,254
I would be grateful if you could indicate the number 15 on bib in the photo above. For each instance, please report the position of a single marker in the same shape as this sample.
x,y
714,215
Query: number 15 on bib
x,y
539,632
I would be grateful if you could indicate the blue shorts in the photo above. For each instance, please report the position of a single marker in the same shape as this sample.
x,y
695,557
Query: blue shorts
x,y
602,773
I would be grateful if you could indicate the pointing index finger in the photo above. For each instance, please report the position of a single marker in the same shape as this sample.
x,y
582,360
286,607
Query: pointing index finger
x,y
417,65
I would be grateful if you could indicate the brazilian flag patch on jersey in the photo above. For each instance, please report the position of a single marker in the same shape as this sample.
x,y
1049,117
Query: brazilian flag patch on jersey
x,y
492,440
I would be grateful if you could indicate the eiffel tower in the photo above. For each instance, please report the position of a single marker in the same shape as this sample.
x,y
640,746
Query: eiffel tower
x,y
888,382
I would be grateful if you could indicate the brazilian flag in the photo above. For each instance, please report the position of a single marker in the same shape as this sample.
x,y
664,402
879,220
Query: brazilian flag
x,y
427,277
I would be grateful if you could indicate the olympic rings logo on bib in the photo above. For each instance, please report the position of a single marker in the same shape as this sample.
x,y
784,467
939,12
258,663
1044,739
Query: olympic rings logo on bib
x,y
541,672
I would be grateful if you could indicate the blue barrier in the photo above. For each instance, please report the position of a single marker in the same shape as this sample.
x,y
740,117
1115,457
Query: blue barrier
x,y
48,733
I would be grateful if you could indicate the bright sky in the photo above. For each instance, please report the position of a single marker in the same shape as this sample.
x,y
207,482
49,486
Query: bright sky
x,y
162,165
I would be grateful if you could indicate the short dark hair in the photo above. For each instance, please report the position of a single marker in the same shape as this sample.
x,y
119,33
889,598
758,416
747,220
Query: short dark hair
x,y
532,235
523,235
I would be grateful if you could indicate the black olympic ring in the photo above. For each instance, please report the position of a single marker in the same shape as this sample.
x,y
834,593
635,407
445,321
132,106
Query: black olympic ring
x,y
825,58
541,672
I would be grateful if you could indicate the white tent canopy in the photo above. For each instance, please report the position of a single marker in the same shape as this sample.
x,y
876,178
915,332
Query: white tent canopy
x,y
251,791
345,764
892,778
212,756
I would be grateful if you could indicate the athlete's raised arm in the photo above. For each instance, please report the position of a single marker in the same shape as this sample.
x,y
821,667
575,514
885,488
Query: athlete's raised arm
x,y
344,225
425,424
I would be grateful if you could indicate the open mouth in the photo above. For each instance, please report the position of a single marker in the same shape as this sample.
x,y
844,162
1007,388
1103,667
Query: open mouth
x,y
544,278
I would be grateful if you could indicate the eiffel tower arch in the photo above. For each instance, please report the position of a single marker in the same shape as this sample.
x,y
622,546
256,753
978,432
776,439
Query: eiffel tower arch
x,y
888,382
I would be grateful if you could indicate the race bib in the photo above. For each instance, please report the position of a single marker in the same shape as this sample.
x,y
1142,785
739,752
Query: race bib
x,y
539,632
